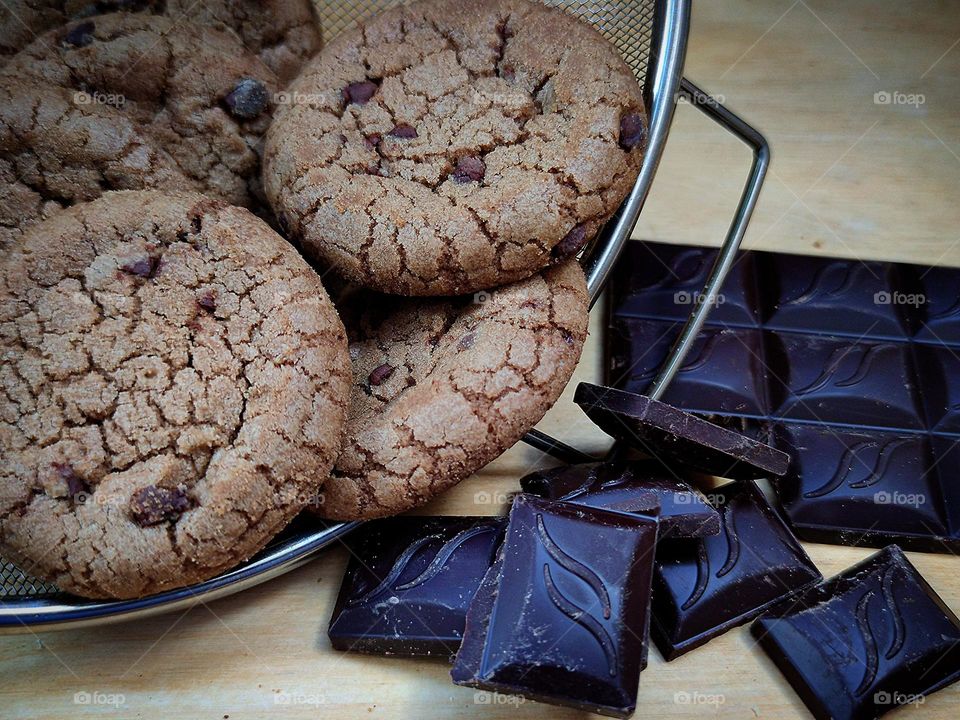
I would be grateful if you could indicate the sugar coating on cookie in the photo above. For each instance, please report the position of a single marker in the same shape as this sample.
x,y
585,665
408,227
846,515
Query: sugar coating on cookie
x,y
173,391
442,387
283,33
444,147
129,101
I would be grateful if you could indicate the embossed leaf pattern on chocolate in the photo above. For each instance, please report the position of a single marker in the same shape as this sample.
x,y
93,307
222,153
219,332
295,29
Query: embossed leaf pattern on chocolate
x,y
853,457
436,564
579,615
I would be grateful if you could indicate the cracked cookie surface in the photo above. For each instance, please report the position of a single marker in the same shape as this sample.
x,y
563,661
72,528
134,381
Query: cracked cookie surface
x,y
282,33
173,390
441,387
129,101
445,147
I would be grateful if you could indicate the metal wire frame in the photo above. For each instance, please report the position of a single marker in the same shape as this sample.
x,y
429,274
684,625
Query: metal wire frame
x,y
652,36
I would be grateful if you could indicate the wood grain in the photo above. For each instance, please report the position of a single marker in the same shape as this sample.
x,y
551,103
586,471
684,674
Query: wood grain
x,y
850,178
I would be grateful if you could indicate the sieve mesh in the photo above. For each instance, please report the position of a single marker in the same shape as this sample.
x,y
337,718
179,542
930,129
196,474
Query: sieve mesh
x,y
628,25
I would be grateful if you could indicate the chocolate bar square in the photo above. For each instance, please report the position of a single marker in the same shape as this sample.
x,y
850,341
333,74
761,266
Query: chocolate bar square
x,y
868,487
725,370
872,638
705,587
562,616
409,582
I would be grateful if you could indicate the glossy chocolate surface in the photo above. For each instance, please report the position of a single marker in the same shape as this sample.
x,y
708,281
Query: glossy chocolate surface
x,y
851,368
409,583
630,486
862,643
702,588
669,434
563,614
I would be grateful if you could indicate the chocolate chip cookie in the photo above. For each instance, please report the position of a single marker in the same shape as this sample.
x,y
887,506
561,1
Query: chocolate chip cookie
x,y
444,147
442,387
128,102
173,391
282,33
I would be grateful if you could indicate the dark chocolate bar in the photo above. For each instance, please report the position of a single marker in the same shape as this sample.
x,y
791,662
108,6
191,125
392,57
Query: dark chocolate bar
x,y
705,587
665,432
875,637
636,486
851,368
409,583
562,616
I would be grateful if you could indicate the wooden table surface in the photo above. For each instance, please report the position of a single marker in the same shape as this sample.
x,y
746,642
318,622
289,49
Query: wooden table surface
x,y
850,177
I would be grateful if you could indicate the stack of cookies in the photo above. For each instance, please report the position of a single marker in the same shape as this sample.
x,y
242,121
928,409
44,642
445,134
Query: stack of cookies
x,y
176,384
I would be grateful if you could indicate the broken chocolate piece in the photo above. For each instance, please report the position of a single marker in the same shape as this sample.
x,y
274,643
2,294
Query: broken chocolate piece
x,y
404,131
77,488
153,505
633,130
248,99
381,374
663,432
875,637
469,169
80,35
703,588
555,620
639,486
359,93
409,583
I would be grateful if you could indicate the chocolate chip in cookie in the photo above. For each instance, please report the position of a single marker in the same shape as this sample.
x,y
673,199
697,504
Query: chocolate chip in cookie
x,y
469,169
359,93
153,505
404,131
571,244
248,99
146,267
633,130
80,35
381,374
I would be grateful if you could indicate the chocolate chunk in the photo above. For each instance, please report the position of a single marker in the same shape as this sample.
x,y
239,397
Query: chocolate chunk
x,y
373,140
704,588
80,35
359,93
571,244
508,73
404,131
469,169
554,619
248,99
153,505
145,267
207,300
633,130
866,641
409,583
381,374
640,486
467,341
663,431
